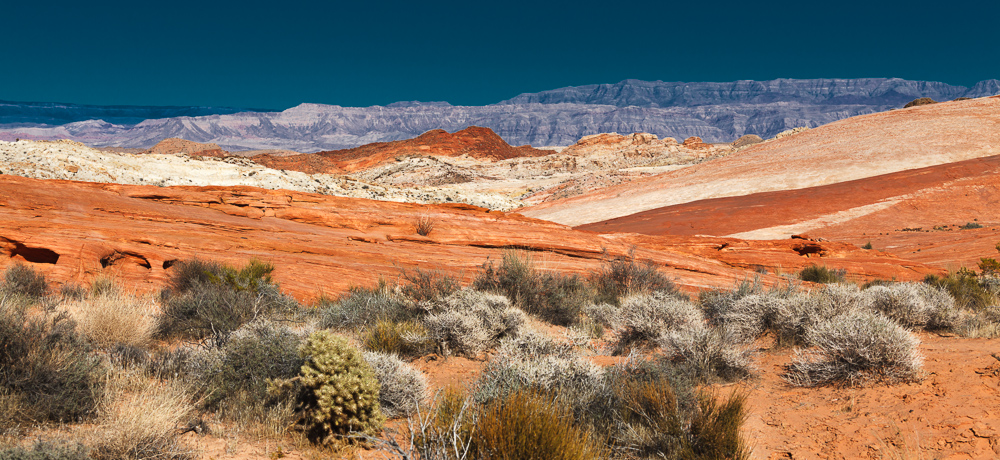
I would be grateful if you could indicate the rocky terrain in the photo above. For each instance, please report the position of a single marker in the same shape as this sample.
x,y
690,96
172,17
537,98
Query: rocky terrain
x,y
74,161
76,230
919,188
851,149
715,112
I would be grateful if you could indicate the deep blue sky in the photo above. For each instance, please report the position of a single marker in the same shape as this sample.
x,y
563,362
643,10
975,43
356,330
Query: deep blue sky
x,y
279,53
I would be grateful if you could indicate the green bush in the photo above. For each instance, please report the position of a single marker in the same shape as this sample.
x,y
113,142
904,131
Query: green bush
x,y
556,298
969,291
208,300
46,450
341,394
20,279
821,274
970,226
622,276
254,354
46,370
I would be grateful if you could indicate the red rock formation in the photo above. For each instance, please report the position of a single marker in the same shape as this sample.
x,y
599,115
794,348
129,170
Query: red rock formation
x,y
176,146
75,230
850,149
476,142
914,214
695,142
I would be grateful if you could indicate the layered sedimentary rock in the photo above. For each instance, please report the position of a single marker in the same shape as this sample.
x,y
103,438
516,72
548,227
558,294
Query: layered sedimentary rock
x,y
855,148
715,112
74,231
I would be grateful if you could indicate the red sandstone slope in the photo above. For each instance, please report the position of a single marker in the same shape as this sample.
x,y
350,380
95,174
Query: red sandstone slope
x,y
849,149
476,142
887,210
75,230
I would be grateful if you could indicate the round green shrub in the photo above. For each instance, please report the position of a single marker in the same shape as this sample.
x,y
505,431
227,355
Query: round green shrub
x,y
342,393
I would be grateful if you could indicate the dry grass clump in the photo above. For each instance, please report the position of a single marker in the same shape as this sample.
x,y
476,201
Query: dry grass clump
x,y
424,225
524,424
402,388
116,317
469,322
856,348
405,338
140,418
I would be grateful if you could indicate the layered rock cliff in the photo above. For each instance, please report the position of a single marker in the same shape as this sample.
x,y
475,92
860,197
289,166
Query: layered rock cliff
x,y
715,112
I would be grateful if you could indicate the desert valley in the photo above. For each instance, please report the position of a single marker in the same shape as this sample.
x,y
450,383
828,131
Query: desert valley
x,y
593,272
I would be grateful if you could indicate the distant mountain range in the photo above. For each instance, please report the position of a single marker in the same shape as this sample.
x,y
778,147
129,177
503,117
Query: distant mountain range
x,y
54,113
716,112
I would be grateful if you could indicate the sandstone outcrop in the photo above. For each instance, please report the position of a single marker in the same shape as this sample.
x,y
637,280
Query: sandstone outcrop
x,y
855,148
74,231
475,142
175,146
916,214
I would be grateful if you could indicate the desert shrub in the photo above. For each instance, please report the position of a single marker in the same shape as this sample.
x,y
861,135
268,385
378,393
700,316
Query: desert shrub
x,y
365,307
423,285
969,291
855,348
340,392
424,226
469,322
970,226
622,276
534,361
46,370
919,101
72,291
405,338
867,245
651,410
822,274
556,298
103,286
524,424
236,378
914,305
983,323
218,299
139,419
46,450
20,279
747,318
989,266
116,318
402,388
711,353
643,318
714,431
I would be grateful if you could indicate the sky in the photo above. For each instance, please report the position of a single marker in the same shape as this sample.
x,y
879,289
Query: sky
x,y
278,54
